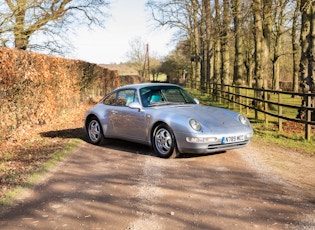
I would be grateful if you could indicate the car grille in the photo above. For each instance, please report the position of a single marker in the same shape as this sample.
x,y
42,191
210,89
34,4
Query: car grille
x,y
231,145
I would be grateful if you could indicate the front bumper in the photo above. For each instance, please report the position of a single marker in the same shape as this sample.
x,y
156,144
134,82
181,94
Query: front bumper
x,y
217,145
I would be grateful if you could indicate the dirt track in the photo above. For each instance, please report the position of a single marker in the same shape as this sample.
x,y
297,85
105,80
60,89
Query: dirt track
x,y
123,186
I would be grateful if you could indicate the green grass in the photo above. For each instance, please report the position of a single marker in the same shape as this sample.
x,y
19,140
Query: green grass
x,y
269,133
295,141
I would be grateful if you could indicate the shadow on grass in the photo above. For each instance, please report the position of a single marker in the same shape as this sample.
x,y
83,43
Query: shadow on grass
x,y
77,133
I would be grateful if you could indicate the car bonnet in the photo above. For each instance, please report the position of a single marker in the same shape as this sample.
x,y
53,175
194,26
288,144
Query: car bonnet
x,y
207,115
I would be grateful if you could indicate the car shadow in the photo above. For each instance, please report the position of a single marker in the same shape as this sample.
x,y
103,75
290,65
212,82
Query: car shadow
x,y
115,144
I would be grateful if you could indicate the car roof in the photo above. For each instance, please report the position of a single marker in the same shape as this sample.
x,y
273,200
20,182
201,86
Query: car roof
x,y
141,85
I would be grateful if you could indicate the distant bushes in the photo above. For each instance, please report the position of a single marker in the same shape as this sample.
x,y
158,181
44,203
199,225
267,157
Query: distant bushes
x,y
36,88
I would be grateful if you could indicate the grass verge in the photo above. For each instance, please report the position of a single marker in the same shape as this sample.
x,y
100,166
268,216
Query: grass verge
x,y
19,186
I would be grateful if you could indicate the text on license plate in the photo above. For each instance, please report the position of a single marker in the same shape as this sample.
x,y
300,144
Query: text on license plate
x,y
232,139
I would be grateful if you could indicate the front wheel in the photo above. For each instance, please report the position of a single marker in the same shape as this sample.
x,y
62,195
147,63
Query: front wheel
x,y
164,142
94,130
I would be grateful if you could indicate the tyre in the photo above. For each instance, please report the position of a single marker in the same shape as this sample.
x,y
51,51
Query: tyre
x,y
94,130
164,142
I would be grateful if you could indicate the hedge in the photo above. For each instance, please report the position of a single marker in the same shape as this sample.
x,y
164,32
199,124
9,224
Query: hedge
x,y
36,88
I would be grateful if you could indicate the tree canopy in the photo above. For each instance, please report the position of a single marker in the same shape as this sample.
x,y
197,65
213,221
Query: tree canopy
x,y
21,20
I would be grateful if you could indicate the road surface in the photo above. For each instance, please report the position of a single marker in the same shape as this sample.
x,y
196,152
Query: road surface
x,y
124,186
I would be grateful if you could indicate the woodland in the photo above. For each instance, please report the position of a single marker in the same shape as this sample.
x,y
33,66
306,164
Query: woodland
x,y
256,43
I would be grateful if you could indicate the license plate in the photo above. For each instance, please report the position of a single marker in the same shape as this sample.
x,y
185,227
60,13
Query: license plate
x,y
233,139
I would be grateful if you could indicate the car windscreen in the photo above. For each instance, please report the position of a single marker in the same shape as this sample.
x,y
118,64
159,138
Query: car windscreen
x,y
164,95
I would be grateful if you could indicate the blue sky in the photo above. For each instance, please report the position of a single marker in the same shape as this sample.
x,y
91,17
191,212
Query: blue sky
x,y
129,20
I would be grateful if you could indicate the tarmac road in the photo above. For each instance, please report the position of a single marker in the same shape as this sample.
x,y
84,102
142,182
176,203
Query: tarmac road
x,y
123,186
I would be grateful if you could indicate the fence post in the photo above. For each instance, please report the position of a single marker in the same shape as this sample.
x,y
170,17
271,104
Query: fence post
x,y
208,87
233,96
228,93
280,110
220,94
256,104
266,106
308,118
240,98
247,101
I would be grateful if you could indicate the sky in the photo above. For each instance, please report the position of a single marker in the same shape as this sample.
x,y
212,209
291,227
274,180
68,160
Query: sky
x,y
129,20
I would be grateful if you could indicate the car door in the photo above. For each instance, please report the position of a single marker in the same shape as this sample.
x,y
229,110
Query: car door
x,y
109,106
128,123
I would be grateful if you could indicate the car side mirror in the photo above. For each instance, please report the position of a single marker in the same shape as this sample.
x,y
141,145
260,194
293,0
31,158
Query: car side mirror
x,y
135,105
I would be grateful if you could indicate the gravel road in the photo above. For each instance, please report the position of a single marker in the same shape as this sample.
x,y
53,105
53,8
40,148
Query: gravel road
x,y
124,186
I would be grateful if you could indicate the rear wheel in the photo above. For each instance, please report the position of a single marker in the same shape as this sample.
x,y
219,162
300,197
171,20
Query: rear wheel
x,y
164,142
94,130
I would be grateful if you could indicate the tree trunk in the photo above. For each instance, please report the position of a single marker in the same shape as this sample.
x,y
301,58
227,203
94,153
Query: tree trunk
x,y
196,43
239,58
206,57
224,44
267,25
275,64
278,21
217,48
295,49
305,30
258,39
275,75
307,63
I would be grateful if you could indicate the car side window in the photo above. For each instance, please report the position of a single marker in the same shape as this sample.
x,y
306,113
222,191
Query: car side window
x,y
110,100
125,97
122,98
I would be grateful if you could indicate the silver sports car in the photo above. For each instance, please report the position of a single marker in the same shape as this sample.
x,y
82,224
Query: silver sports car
x,y
167,118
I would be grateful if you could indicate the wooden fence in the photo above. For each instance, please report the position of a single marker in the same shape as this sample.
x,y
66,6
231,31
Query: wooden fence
x,y
272,103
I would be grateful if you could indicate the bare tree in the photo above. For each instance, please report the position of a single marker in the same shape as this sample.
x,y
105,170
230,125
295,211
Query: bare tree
x,y
195,38
307,43
261,30
295,47
155,68
207,42
282,15
238,76
20,20
225,36
217,44
307,63
185,16
136,54
259,42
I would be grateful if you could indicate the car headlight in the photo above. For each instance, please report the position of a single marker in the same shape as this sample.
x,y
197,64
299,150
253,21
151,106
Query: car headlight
x,y
195,124
244,120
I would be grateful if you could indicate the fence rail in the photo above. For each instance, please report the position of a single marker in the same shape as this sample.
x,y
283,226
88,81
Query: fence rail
x,y
279,104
